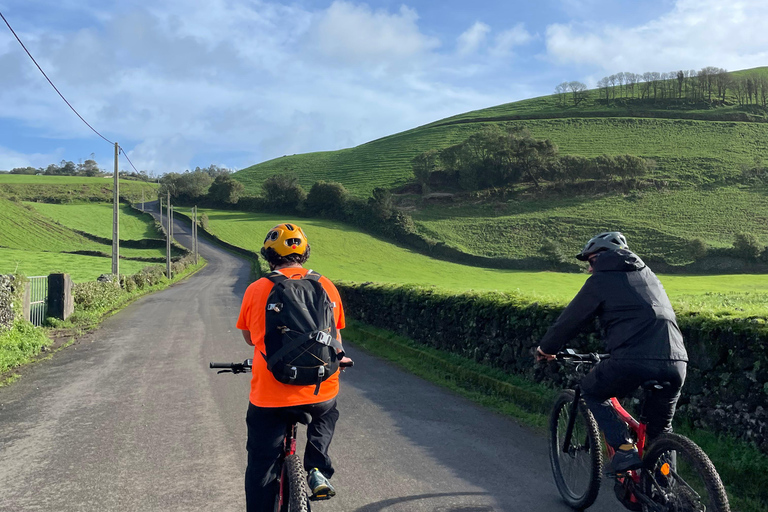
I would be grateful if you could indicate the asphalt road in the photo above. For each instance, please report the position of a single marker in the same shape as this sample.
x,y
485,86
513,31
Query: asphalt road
x,y
130,418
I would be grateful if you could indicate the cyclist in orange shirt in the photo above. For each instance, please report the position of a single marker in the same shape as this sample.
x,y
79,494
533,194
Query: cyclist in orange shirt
x,y
273,405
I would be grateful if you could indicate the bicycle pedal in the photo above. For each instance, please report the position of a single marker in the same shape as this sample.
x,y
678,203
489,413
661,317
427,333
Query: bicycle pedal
x,y
320,497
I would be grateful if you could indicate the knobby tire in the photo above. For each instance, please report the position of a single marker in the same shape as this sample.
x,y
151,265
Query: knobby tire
x,y
692,486
577,473
298,499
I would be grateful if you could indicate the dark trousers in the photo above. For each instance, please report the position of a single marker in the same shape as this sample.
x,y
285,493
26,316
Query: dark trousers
x,y
619,378
266,432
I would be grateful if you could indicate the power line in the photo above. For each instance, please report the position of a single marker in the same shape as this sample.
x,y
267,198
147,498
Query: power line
x,y
129,160
50,82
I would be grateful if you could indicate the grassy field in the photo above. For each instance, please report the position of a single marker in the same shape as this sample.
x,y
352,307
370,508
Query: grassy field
x,y
35,244
63,189
700,151
686,151
344,253
96,219
658,223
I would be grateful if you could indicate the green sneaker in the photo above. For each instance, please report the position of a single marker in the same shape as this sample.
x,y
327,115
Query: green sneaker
x,y
320,486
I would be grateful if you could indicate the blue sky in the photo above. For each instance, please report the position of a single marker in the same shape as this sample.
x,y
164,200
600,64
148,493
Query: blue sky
x,y
186,83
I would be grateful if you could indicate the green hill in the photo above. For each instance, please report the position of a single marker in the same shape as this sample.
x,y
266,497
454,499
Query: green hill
x,y
702,151
692,142
73,238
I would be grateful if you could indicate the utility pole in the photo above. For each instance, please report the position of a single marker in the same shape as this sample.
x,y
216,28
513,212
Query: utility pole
x,y
194,232
167,236
116,219
142,199
170,219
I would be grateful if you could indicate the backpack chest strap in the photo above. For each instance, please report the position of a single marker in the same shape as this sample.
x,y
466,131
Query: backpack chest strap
x,y
321,337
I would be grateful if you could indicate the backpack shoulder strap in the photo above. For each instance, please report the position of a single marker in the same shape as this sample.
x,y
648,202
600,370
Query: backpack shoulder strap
x,y
276,277
312,275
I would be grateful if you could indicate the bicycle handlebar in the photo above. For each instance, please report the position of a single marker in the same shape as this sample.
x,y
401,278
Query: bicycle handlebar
x,y
246,366
570,355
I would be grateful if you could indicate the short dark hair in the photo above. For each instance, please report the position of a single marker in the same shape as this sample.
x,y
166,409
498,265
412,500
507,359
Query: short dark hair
x,y
275,260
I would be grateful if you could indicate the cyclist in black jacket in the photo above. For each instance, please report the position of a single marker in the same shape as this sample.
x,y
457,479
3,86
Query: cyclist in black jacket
x,y
641,334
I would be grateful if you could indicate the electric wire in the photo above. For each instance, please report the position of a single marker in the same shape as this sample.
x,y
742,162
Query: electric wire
x,y
50,82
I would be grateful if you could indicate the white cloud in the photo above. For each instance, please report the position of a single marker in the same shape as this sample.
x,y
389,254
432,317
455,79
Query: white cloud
x,y
352,34
11,159
471,40
694,34
509,39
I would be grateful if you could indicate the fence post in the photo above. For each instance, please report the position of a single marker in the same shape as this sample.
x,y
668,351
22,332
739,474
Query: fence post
x,y
61,303
26,302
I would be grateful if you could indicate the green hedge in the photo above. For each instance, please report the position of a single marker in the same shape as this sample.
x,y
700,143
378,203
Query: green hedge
x,y
727,386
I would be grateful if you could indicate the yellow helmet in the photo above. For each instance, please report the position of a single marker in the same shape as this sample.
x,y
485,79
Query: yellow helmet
x,y
286,239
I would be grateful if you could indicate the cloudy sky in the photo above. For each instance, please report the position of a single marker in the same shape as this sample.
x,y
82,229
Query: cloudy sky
x,y
186,83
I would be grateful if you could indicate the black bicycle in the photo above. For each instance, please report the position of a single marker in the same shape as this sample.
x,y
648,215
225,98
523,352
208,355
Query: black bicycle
x,y
677,476
293,494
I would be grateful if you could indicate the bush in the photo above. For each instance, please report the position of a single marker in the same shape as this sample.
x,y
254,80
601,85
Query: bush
x,y
747,246
283,193
697,248
326,198
204,221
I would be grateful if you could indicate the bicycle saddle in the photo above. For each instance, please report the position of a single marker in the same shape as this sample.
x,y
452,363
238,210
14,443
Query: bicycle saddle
x,y
298,417
654,385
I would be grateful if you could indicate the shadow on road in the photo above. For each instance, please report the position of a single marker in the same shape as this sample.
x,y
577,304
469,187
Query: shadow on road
x,y
381,505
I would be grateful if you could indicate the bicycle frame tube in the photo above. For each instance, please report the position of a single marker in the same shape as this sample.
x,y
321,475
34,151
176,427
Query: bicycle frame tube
x,y
571,419
637,427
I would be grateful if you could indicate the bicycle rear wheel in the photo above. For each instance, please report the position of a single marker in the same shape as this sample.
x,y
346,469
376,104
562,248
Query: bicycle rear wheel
x,y
294,487
577,466
678,476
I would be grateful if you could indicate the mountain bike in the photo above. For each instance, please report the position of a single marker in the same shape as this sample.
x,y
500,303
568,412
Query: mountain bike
x,y
293,493
676,476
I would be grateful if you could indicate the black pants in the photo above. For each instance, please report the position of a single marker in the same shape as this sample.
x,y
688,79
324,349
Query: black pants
x,y
266,431
619,378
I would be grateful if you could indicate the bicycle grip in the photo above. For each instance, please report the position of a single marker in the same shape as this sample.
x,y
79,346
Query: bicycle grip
x,y
220,365
346,364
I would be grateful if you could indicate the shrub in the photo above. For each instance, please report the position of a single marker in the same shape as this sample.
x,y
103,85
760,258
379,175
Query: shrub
x,y
326,198
204,221
283,193
747,246
697,248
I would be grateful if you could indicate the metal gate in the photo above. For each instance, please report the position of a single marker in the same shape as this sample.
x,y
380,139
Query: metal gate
x,y
38,303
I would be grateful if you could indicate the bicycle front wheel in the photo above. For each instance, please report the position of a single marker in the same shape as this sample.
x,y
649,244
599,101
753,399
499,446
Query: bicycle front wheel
x,y
577,465
678,475
298,499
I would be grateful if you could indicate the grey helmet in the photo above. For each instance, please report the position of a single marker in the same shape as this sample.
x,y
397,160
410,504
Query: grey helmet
x,y
603,242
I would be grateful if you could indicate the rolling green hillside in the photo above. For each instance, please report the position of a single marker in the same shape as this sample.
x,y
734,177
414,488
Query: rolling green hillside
x,y
36,244
692,144
701,151
344,253
63,189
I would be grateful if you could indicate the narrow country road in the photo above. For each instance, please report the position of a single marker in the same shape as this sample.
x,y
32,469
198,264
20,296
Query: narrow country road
x,y
130,418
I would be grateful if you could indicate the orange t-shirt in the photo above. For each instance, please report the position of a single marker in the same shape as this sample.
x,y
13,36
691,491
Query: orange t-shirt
x,y
266,391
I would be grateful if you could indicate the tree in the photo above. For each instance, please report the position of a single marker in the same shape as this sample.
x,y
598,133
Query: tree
x,y
532,156
327,198
423,165
88,168
282,192
578,92
747,246
24,170
224,189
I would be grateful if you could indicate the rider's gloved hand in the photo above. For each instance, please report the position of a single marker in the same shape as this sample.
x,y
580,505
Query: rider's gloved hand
x,y
542,356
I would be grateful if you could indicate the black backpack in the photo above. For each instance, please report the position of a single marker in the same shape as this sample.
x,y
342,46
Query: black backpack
x,y
300,335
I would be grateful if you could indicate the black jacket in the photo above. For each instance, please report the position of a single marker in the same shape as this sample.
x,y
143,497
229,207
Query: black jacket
x,y
632,306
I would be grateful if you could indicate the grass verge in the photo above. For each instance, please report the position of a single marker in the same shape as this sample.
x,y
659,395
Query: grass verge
x,y
743,469
23,343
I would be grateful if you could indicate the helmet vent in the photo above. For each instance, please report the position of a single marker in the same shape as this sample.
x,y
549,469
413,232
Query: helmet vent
x,y
290,227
